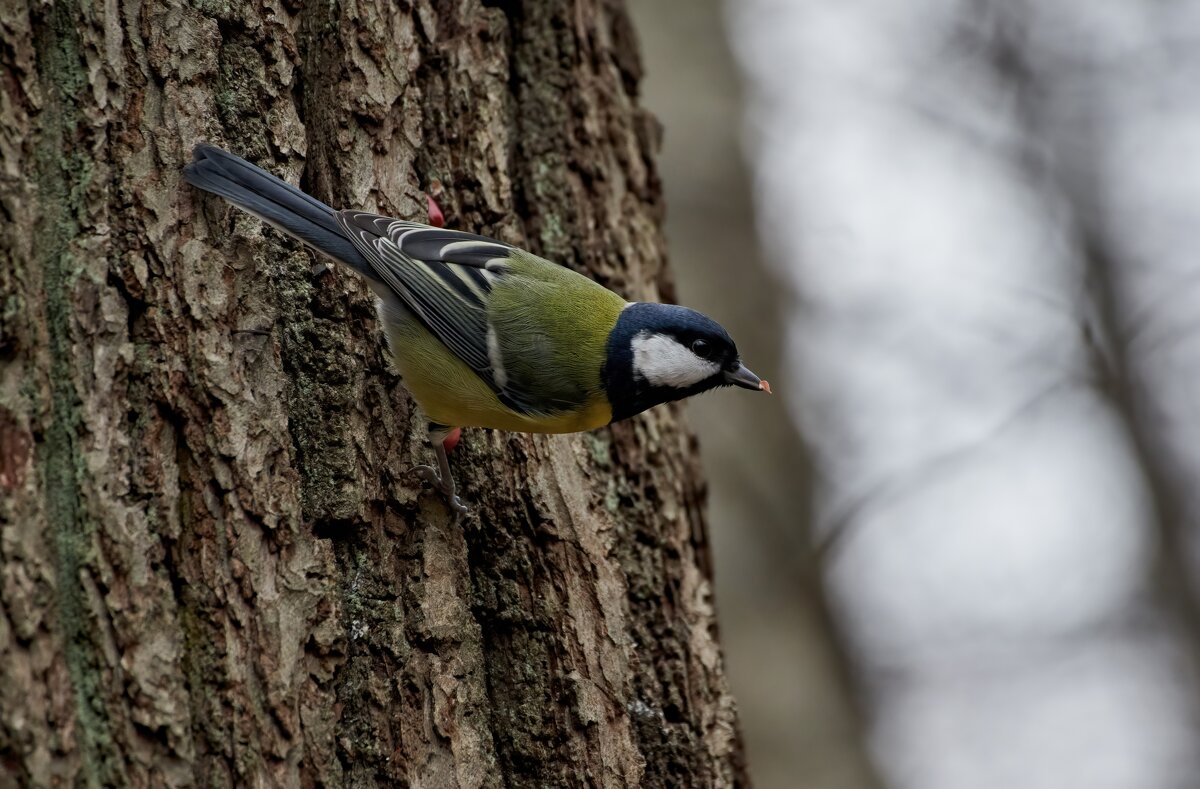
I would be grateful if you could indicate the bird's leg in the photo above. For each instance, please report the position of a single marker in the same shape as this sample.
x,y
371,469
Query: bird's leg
x,y
441,478
436,217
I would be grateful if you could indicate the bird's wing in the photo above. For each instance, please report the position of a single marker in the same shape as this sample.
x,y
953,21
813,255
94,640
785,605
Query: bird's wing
x,y
445,277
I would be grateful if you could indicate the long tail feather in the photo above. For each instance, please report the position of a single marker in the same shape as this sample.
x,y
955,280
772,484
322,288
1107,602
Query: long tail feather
x,y
275,201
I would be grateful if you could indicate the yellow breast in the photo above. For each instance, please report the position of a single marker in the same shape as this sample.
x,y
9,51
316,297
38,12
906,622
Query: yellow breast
x,y
452,394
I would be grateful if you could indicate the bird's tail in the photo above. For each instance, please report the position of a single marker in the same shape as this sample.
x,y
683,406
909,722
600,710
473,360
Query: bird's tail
x,y
274,201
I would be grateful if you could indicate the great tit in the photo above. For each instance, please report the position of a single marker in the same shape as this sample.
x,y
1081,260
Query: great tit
x,y
487,335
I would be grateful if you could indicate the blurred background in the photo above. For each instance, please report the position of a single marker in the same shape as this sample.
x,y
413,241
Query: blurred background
x,y
958,549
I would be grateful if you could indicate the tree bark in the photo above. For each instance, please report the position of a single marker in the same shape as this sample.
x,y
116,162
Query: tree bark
x,y
214,568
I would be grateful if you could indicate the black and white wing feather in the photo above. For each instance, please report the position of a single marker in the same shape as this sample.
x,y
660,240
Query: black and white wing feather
x,y
445,277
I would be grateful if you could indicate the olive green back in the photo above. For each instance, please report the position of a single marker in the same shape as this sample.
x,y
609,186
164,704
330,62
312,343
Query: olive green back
x,y
552,326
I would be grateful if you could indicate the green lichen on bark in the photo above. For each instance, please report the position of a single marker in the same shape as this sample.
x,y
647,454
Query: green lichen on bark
x,y
514,600
62,176
542,62
325,382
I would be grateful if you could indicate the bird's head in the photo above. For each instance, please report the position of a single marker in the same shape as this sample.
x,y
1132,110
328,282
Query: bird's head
x,y
661,352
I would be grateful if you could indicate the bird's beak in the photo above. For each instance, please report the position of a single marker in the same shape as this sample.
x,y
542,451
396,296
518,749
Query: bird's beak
x,y
747,380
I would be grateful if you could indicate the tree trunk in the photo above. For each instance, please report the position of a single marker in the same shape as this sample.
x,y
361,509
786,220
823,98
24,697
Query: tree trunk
x,y
214,568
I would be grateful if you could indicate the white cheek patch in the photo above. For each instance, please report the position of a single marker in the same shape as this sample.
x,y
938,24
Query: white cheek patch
x,y
662,361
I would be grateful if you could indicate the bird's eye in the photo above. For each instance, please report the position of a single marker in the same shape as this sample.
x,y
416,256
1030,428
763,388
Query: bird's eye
x,y
702,348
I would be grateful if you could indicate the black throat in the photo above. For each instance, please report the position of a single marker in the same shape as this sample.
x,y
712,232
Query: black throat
x,y
630,394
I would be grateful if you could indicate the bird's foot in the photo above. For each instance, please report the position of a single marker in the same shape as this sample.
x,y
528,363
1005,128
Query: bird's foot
x,y
429,474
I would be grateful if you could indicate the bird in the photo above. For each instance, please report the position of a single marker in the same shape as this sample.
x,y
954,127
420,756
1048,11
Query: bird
x,y
487,335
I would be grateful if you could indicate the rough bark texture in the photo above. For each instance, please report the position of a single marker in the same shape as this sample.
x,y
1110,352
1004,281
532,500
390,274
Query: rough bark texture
x,y
213,567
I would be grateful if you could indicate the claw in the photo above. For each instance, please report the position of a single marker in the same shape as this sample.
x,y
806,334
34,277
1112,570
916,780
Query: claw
x,y
430,475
